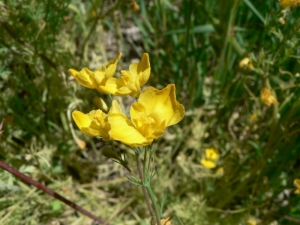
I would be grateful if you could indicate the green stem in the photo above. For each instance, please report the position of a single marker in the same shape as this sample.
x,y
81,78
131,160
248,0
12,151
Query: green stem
x,y
154,203
140,170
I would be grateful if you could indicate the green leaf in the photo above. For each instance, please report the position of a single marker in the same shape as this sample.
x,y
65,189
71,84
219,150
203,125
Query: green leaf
x,y
110,153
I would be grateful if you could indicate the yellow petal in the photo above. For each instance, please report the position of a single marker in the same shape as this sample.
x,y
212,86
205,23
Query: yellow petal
x,y
110,86
111,66
161,105
123,130
93,124
141,70
144,123
208,164
212,154
115,108
297,183
267,97
84,77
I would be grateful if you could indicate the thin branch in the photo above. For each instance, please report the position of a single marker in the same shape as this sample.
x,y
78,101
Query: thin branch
x,y
49,191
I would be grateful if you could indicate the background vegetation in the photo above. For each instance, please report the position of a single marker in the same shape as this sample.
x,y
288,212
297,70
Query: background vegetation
x,y
195,44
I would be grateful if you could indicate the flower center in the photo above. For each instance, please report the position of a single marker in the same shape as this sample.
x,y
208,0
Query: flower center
x,y
144,118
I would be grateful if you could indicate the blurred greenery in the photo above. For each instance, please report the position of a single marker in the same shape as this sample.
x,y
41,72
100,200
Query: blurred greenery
x,y
196,44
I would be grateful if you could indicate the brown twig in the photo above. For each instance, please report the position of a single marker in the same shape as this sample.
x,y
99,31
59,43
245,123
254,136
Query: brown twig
x,y
49,191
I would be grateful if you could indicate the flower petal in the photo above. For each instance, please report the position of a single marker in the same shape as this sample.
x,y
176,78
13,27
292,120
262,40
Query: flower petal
x,y
123,130
212,154
141,70
111,66
83,121
93,124
162,105
83,77
208,164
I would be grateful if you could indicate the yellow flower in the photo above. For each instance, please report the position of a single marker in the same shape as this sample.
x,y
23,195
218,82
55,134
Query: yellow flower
x,y
253,117
297,184
95,123
220,171
211,156
154,111
167,221
246,63
267,97
251,222
97,78
129,83
289,3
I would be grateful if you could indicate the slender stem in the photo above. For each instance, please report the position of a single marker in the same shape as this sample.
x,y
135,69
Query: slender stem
x,y
140,170
147,178
49,191
154,202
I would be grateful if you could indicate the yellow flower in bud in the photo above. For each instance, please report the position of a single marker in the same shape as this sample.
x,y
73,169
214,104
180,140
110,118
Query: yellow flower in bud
x,y
281,20
150,115
267,97
167,221
289,3
100,103
253,117
246,63
211,156
220,171
95,123
297,184
251,222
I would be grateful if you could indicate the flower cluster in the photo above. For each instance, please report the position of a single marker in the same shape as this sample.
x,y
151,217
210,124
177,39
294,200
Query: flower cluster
x,y
153,111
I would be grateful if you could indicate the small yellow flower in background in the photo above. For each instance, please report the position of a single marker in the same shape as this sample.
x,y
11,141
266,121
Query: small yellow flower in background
x,y
211,156
100,103
297,184
167,221
281,20
220,171
134,6
267,97
95,123
154,111
129,83
246,63
289,3
253,117
251,222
